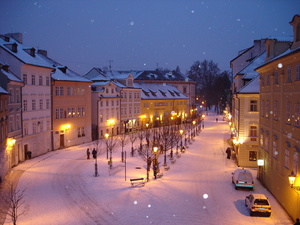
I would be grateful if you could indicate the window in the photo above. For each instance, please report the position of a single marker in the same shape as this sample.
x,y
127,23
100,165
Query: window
x,y
40,80
69,91
262,80
25,105
296,162
47,81
267,143
184,90
70,112
275,152
289,75
267,109
33,79
34,131
276,80
41,104
252,155
18,99
268,80
61,91
112,90
297,115
33,104
25,129
56,91
288,113
47,103
298,72
106,102
275,111
59,113
253,131
286,158
25,78
253,105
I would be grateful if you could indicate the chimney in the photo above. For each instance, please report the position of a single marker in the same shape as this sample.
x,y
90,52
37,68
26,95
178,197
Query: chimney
x,y
17,36
42,52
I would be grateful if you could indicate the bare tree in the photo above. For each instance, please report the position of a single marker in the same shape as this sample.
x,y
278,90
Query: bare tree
x,y
111,143
123,140
13,202
132,137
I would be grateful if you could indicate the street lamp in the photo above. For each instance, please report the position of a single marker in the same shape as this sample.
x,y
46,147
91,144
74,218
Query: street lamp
x,y
181,132
106,136
155,163
292,178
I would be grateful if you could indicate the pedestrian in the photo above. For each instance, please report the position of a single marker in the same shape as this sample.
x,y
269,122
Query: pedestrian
x,y
216,119
228,152
94,153
88,153
183,149
203,126
171,154
297,222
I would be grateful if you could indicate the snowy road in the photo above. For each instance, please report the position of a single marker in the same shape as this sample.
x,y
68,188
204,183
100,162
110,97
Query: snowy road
x,y
61,189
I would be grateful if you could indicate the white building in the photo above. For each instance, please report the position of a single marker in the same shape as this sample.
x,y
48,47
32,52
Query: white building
x,y
36,93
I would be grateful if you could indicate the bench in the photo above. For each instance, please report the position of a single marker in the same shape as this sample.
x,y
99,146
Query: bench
x,y
138,181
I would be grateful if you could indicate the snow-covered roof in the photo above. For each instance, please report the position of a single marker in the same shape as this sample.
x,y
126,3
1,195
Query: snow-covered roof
x,y
10,76
286,53
251,87
159,91
3,91
63,73
248,71
282,39
23,53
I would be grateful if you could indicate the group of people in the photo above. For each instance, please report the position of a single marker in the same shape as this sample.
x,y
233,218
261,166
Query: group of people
x,y
94,153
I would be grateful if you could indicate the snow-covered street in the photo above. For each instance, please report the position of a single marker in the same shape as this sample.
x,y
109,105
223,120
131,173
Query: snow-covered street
x,y
197,189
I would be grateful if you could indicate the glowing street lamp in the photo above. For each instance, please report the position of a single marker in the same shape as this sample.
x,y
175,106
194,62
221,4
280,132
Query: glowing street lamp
x,y
155,162
292,178
106,137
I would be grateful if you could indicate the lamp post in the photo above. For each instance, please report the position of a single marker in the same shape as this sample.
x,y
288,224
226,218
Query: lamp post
x,y
106,137
194,127
155,163
181,133
292,178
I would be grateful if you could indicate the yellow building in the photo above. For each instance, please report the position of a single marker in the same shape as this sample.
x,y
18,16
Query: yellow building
x,y
162,103
279,146
71,109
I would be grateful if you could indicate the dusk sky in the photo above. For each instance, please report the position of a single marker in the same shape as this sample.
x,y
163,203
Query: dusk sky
x,y
144,34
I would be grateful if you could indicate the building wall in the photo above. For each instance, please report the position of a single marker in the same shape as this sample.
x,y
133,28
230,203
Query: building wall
x,y
36,118
280,130
4,152
248,141
156,111
71,113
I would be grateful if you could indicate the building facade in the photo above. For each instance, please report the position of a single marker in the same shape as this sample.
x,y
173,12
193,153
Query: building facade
x,y
279,132
35,73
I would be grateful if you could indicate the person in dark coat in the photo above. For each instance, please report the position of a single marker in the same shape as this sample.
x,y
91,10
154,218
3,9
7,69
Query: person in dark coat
x,y
297,222
88,153
94,153
228,152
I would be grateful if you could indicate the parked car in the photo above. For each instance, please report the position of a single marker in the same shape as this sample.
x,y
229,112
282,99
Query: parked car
x,y
258,204
242,178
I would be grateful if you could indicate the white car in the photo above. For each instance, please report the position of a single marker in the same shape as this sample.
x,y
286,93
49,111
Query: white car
x,y
242,178
258,204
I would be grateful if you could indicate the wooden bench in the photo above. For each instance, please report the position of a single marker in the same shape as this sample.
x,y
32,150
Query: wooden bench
x,y
138,181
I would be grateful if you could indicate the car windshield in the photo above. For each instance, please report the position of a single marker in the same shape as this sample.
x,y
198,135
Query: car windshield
x,y
261,202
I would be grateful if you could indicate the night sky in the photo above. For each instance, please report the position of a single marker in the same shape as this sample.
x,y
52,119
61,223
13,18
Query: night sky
x,y
145,34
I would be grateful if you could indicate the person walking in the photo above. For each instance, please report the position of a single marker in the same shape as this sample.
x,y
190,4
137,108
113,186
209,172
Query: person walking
x,y
297,222
228,152
88,153
94,153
